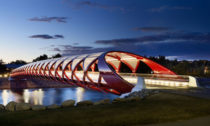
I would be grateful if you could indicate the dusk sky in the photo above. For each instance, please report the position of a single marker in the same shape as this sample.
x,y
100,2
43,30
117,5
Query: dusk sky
x,y
173,28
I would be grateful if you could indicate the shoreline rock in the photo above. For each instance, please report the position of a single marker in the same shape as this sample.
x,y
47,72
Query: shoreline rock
x,y
53,106
68,103
2,107
119,100
22,106
38,107
143,93
85,103
11,106
103,102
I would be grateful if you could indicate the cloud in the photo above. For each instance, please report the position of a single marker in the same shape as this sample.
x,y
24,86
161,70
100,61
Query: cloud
x,y
117,42
182,51
76,43
169,37
56,49
68,50
92,4
71,50
167,8
45,36
49,19
42,36
58,36
152,29
180,45
87,3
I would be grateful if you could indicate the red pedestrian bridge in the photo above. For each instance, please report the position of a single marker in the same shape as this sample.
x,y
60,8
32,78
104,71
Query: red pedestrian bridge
x,y
115,71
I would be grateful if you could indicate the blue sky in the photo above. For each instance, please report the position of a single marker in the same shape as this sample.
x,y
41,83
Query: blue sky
x,y
173,28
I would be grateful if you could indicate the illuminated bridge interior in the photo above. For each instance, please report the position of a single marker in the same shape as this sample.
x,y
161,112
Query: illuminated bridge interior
x,y
115,71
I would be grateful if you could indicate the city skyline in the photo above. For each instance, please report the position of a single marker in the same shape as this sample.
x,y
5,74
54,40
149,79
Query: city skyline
x,y
173,28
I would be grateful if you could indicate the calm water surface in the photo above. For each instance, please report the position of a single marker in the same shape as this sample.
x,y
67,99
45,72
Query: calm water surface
x,y
48,96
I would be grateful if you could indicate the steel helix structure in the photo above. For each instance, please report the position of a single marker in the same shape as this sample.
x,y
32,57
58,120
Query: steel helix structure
x,y
112,71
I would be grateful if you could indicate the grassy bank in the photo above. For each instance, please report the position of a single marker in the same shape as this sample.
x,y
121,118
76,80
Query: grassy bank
x,y
162,107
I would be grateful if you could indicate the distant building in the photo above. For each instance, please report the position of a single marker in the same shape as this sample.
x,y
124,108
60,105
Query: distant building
x,y
206,70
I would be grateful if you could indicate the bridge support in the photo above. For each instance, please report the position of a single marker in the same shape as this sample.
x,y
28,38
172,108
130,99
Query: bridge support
x,y
139,86
193,82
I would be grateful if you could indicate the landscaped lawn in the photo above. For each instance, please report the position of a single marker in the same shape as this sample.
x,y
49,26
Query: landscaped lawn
x,y
162,107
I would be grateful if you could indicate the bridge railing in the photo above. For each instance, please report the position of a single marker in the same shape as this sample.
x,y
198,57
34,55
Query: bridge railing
x,y
160,79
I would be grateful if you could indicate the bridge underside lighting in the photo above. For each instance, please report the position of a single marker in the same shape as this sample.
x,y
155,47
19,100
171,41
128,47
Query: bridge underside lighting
x,y
116,72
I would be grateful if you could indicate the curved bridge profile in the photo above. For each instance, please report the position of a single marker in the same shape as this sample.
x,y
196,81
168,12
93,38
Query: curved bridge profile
x,y
104,71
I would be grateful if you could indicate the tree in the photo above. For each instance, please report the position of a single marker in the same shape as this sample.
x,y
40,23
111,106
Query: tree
x,y
56,55
18,62
2,67
42,57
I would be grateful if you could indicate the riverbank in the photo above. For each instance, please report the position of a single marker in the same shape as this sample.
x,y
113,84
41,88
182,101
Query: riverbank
x,y
157,108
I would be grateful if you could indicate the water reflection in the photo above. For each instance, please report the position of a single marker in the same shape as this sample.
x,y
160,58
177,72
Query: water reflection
x,y
37,96
26,95
48,96
80,93
5,97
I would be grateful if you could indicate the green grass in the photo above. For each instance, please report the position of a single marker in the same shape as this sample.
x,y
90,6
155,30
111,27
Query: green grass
x,y
162,107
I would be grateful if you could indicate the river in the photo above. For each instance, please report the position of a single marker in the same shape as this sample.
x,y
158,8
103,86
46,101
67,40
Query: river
x,y
48,96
